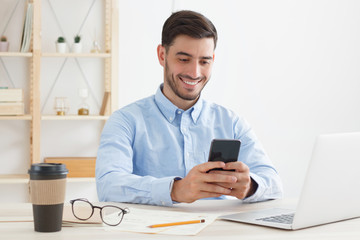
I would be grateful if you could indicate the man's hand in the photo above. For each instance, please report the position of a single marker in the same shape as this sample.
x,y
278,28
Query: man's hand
x,y
244,186
200,184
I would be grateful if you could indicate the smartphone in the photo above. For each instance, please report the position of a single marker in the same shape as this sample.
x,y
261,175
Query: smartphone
x,y
225,150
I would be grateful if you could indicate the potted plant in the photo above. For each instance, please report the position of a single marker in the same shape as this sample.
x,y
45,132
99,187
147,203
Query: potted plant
x,y
61,45
77,46
4,44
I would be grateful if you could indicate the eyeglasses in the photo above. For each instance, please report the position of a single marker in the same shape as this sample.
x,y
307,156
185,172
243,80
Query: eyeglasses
x,y
110,215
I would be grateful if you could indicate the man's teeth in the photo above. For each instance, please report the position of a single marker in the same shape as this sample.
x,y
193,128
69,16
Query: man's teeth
x,y
190,83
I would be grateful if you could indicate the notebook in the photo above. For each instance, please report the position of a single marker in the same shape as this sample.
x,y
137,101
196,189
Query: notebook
x,y
331,190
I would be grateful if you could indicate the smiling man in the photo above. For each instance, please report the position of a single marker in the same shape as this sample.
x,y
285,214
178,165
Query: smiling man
x,y
155,150
188,63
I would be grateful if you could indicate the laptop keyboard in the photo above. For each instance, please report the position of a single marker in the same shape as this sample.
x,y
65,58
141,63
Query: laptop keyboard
x,y
283,218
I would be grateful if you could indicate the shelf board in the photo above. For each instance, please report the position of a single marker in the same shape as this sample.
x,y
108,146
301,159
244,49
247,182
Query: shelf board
x,y
77,55
74,55
24,178
22,117
16,54
13,178
55,117
74,117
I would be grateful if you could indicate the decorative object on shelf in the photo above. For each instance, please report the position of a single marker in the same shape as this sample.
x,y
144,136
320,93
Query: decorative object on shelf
x,y
11,101
61,106
84,107
77,46
96,47
4,44
61,45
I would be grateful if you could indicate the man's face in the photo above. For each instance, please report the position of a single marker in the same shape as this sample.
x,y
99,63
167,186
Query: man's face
x,y
187,68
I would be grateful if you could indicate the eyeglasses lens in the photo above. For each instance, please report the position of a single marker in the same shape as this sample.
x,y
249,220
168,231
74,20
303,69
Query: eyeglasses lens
x,y
82,209
112,215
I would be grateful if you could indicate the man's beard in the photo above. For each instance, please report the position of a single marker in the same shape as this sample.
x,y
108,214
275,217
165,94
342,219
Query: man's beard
x,y
170,80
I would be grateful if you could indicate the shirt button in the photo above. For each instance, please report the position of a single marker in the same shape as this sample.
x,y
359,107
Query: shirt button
x,y
170,118
179,112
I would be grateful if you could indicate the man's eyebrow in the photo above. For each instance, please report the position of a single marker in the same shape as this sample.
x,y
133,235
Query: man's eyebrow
x,y
207,57
184,53
189,55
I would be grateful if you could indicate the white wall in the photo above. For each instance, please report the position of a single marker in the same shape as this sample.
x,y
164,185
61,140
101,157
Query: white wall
x,y
290,67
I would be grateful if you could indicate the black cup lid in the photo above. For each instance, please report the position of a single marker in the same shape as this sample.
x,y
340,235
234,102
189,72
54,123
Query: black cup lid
x,y
48,169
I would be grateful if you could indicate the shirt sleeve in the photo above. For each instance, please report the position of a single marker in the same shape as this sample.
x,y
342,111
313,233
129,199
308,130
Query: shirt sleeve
x,y
262,170
114,179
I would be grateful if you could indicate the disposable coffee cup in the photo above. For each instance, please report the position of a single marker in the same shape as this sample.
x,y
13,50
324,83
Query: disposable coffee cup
x,y
47,195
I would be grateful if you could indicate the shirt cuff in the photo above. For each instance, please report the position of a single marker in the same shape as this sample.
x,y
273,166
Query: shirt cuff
x,y
172,185
257,196
161,191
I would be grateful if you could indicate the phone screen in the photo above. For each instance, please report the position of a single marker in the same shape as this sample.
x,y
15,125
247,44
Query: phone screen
x,y
225,150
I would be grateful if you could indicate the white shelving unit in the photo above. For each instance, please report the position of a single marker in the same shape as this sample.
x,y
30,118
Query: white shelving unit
x,y
36,55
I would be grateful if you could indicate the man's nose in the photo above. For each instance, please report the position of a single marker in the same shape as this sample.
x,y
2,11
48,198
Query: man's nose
x,y
194,71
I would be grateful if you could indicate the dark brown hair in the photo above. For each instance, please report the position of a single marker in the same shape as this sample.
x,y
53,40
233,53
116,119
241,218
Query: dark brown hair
x,y
188,23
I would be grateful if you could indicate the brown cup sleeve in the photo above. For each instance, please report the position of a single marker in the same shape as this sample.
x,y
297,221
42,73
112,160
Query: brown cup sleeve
x,y
47,192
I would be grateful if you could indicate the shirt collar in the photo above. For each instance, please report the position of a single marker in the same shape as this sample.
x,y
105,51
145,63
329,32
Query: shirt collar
x,y
168,109
196,109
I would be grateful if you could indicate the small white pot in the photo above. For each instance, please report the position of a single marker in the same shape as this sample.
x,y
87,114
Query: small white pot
x,y
61,47
77,48
4,46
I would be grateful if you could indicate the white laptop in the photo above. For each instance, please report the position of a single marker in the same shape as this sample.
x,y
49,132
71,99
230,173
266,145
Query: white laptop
x,y
331,191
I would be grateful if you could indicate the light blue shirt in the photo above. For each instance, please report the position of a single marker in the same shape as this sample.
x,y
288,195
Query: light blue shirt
x,y
147,144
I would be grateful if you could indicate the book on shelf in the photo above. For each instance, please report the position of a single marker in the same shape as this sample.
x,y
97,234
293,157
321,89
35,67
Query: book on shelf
x,y
11,108
11,102
27,30
11,95
105,102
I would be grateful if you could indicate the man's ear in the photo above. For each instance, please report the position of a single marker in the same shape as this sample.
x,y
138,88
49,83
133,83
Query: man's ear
x,y
161,54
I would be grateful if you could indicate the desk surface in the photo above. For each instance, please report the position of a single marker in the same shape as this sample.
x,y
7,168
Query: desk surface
x,y
349,229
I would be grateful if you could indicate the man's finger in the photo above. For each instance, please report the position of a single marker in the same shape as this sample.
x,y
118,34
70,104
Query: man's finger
x,y
219,177
205,167
215,189
238,166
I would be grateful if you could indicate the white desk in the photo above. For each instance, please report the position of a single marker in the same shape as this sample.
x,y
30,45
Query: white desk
x,y
218,230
